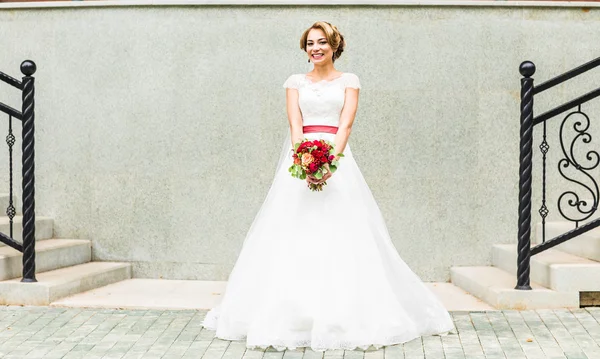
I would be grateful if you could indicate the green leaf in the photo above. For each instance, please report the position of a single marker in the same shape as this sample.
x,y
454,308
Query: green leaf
x,y
318,174
340,155
296,146
332,168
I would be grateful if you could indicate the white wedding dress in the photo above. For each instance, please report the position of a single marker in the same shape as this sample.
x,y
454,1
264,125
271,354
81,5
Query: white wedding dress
x,y
318,269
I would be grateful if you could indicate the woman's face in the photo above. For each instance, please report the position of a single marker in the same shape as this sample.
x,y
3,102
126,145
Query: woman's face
x,y
317,48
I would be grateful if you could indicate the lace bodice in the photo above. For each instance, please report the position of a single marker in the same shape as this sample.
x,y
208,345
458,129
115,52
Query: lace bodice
x,y
321,102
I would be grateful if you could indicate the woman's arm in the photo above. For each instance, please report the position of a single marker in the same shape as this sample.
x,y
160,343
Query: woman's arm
x,y
345,125
346,119
294,116
295,119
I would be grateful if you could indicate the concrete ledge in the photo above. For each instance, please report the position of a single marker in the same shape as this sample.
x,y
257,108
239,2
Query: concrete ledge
x,y
50,255
63,282
496,287
150,294
190,294
441,3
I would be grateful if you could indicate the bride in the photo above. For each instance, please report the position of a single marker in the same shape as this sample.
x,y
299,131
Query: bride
x,y
318,269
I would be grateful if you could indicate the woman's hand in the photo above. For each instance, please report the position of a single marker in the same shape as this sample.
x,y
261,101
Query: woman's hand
x,y
315,180
311,179
326,176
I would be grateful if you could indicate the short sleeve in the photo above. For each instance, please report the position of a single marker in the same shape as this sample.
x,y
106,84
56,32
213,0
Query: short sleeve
x,y
291,82
352,81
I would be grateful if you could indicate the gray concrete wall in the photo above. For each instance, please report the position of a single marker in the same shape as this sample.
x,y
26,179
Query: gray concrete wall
x,y
151,121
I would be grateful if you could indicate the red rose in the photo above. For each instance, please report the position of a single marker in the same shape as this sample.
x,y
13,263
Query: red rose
x,y
317,153
313,167
331,157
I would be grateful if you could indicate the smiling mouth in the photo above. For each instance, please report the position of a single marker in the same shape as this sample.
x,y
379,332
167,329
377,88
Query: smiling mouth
x,y
317,56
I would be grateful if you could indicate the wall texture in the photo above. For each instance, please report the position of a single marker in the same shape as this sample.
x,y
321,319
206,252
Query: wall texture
x,y
158,128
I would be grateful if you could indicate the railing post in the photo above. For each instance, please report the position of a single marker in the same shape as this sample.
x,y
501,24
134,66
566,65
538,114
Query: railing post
x,y
527,69
28,69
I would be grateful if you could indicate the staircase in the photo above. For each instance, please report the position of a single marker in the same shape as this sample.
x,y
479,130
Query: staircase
x,y
564,271
558,275
63,266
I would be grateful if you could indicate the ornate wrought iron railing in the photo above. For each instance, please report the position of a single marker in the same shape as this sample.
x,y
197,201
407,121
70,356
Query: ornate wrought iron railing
x,y
585,207
27,116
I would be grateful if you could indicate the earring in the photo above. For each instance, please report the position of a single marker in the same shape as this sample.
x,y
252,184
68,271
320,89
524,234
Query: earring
x,y
309,61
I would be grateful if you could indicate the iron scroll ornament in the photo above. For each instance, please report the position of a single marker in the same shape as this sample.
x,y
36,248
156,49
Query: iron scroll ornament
x,y
580,209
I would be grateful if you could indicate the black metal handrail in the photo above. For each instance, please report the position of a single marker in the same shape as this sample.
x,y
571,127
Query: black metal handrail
x,y
567,106
11,81
564,77
27,116
10,111
525,251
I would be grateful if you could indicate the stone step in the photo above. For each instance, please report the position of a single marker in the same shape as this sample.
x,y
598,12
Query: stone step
x,y
496,287
44,228
197,294
586,245
4,200
552,269
50,254
63,282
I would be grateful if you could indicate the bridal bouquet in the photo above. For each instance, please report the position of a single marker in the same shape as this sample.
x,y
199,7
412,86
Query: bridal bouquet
x,y
311,158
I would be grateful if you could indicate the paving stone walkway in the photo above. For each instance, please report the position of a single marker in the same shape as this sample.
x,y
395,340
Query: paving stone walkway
x,y
50,332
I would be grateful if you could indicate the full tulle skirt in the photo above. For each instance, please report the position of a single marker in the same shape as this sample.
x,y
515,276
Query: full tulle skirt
x,y
319,270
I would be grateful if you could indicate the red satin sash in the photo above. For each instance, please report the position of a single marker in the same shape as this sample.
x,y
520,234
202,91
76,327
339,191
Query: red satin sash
x,y
318,128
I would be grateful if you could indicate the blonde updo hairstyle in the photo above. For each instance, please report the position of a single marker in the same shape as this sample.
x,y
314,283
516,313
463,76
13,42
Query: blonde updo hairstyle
x,y
334,38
